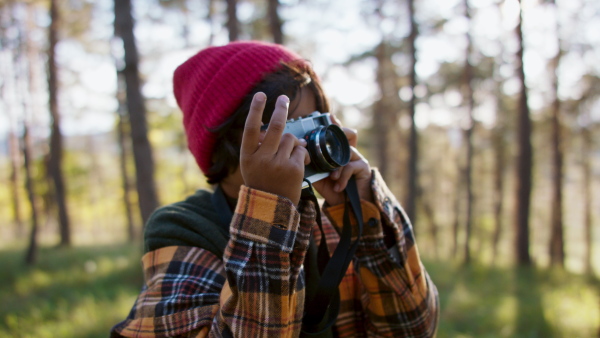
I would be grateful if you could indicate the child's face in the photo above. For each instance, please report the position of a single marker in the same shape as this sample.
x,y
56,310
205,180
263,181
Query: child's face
x,y
303,105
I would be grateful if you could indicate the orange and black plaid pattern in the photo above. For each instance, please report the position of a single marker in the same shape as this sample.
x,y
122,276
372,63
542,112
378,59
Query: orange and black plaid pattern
x,y
257,289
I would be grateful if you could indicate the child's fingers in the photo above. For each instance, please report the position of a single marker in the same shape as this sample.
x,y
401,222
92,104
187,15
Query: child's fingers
x,y
349,170
251,135
351,135
287,144
276,127
300,155
357,166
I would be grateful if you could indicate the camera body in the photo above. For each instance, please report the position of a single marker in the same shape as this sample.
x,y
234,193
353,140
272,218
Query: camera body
x,y
327,144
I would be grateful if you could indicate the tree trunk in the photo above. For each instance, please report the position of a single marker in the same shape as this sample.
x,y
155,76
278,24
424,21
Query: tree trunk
x,y
380,114
233,24
385,115
499,158
413,158
468,172
456,222
587,196
524,162
499,145
557,253
142,151
433,226
31,254
275,21
122,133
56,142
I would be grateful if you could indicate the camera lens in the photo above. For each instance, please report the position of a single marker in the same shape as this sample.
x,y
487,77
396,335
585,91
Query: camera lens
x,y
333,146
328,147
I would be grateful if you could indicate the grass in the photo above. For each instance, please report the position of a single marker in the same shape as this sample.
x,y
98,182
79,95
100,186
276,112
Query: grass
x,y
83,291
71,292
483,301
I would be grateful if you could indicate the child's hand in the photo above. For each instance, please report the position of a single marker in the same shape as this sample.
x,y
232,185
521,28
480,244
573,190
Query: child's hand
x,y
276,163
332,187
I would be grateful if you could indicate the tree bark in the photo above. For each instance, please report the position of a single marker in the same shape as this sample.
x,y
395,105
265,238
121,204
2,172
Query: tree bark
x,y
456,222
499,145
233,24
413,158
587,196
32,249
433,226
381,123
386,111
557,253
122,133
468,172
524,162
56,141
142,151
275,21
499,158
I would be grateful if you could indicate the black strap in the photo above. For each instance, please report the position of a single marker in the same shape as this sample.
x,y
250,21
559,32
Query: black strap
x,y
323,307
222,207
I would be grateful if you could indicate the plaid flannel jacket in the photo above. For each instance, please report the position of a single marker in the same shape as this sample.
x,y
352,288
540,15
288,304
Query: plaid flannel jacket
x,y
257,288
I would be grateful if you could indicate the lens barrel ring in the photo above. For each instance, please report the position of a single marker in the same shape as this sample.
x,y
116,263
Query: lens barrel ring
x,y
328,147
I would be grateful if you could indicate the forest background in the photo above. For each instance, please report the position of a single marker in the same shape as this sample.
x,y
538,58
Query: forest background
x,y
482,116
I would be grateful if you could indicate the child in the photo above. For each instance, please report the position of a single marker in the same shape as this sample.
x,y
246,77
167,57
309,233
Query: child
x,y
244,261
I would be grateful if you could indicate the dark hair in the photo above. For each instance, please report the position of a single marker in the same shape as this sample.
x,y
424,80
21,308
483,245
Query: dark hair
x,y
287,80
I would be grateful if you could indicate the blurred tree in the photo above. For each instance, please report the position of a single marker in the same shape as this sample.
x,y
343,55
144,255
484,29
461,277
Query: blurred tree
x,y
142,150
499,144
31,254
557,252
447,81
385,112
413,140
427,200
499,132
384,133
275,21
524,159
123,133
587,195
55,169
467,89
584,105
233,23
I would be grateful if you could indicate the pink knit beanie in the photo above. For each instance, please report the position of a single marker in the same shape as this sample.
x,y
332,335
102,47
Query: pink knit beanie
x,y
211,85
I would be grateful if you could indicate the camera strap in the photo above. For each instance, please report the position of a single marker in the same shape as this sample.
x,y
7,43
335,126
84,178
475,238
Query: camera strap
x,y
322,307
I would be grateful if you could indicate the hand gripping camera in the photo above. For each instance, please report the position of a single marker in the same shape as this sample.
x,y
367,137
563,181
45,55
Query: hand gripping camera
x,y
327,146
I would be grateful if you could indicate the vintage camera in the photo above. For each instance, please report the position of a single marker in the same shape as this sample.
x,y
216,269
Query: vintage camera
x,y
327,146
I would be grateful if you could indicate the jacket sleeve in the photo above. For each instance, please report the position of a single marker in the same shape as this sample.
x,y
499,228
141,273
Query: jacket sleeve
x,y
264,292
255,290
398,296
